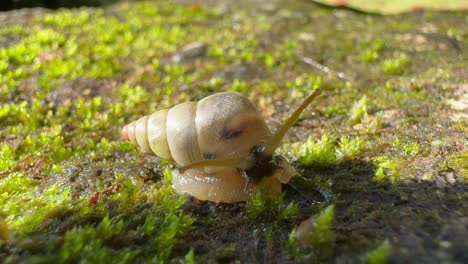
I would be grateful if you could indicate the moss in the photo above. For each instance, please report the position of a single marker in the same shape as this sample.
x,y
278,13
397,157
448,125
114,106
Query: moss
x,y
387,171
316,232
457,163
381,254
350,148
323,235
358,110
190,257
7,158
408,149
70,78
373,51
15,183
319,153
327,152
271,209
397,65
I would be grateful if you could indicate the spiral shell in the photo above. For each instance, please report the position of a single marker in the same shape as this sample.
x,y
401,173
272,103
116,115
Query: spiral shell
x,y
218,126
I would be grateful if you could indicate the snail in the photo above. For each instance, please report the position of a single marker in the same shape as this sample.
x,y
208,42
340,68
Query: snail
x,y
222,148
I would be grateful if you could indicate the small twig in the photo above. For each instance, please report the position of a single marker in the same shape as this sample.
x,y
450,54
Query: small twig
x,y
454,42
321,67
303,194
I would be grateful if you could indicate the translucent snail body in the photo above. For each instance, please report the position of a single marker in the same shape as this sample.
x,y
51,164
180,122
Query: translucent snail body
x,y
221,145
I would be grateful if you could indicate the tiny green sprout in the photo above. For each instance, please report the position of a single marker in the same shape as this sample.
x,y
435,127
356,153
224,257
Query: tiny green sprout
x,y
228,253
358,110
271,209
333,110
216,82
455,33
320,153
373,52
132,96
458,163
7,158
216,51
350,148
239,86
3,65
381,254
317,232
190,257
292,244
370,55
155,64
387,171
269,61
396,65
168,175
408,149
56,168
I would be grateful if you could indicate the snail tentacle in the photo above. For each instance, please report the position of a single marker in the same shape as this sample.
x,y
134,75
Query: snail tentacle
x,y
278,136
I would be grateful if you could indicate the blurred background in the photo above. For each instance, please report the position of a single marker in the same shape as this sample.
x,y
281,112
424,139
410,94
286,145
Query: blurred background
x,y
53,4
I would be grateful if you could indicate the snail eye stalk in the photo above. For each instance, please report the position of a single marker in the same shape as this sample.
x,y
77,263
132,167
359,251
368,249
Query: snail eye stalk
x,y
278,136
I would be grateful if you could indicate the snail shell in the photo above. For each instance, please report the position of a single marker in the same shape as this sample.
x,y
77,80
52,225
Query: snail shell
x,y
220,125
223,125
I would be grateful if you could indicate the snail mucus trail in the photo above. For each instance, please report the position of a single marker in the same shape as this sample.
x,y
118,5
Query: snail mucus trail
x,y
221,146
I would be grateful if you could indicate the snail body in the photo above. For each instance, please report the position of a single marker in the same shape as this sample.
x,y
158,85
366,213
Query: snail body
x,y
221,145
226,186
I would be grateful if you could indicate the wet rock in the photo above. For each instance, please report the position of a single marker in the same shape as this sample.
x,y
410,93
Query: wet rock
x,y
244,71
440,182
459,105
456,231
189,52
88,177
390,116
450,178
85,88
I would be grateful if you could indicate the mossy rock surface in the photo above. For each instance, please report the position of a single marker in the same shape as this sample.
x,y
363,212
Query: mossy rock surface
x,y
385,144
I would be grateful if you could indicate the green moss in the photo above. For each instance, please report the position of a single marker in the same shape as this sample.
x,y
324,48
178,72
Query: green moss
x,y
374,50
271,209
7,158
133,96
387,170
350,148
190,257
3,65
318,153
168,175
408,149
397,65
14,184
381,254
327,152
323,235
25,208
457,163
69,80
228,253
239,86
358,110
319,235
